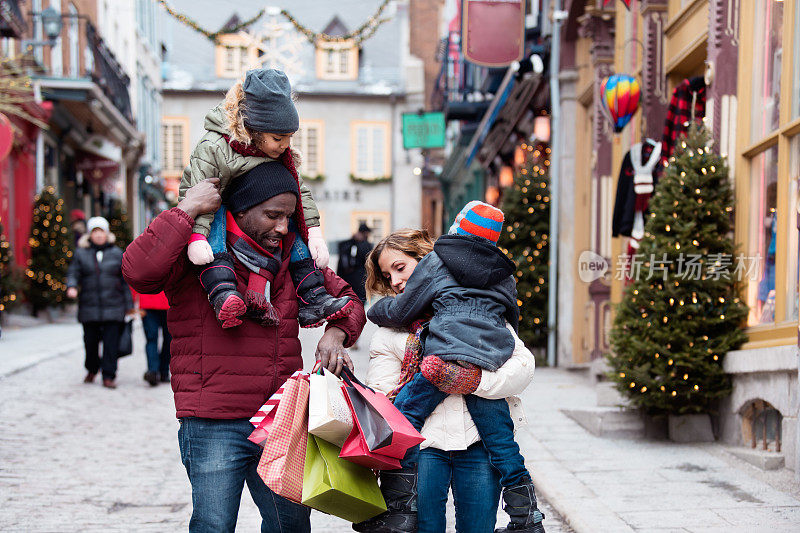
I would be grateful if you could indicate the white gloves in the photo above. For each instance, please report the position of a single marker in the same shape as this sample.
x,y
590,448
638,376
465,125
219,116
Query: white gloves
x,y
200,252
317,247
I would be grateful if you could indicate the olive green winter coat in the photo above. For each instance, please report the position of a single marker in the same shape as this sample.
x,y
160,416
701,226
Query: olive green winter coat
x,y
213,157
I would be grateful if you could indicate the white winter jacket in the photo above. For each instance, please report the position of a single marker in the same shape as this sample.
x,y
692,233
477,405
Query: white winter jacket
x,y
450,427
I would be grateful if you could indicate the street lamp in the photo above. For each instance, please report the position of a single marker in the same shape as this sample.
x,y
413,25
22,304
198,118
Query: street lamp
x,y
51,25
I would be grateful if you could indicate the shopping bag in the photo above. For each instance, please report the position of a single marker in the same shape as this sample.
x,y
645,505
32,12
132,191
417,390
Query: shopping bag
x,y
339,487
126,339
356,451
329,415
283,459
264,417
365,404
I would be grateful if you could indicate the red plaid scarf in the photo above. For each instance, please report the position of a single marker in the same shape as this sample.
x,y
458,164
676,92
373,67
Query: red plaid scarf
x,y
262,265
412,357
288,161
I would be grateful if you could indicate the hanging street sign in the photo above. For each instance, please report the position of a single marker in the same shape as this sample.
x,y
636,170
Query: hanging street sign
x,y
493,31
423,130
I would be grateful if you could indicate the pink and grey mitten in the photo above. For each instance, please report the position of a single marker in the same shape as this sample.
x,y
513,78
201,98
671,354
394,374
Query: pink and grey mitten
x,y
452,377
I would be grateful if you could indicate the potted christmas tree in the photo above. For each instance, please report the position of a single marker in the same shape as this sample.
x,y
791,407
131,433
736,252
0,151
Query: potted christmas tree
x,y
681,313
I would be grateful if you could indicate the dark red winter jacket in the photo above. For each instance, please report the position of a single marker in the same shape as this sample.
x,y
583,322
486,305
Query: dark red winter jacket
x,y
221,373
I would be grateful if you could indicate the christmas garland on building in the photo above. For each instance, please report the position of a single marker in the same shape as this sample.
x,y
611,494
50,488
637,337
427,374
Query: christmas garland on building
x,y
210,35
360,34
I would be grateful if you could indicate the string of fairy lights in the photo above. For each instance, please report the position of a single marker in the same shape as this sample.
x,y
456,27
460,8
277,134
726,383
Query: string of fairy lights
x,y
363,32
7,297
16,90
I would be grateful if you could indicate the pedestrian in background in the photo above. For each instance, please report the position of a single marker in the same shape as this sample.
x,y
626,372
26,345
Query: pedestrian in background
x,y
77,225
154,319
95,278
352,258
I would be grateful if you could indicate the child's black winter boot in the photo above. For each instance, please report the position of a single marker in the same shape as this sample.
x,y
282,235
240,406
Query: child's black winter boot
x,y
520,504
219,280
316,305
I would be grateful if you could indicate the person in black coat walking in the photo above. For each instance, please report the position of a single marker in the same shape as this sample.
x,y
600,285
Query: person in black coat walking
x,y
104,298
352,258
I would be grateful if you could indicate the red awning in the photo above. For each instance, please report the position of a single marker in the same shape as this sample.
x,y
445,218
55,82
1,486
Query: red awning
x,y
96,169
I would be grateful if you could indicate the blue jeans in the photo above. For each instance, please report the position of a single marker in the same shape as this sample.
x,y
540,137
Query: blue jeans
x,y
217,237
419,397
475,484
157,360
219,460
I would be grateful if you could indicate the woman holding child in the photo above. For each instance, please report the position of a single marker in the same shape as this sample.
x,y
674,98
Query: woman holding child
x,y
449,356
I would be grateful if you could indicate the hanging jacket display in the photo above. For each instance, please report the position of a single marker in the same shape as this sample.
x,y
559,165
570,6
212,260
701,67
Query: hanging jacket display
x,y
688,101
638,176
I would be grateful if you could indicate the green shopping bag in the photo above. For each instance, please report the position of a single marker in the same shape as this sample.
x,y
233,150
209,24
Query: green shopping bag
x,y
337,486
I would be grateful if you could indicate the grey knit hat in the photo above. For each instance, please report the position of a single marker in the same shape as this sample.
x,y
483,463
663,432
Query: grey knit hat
x,y
268,102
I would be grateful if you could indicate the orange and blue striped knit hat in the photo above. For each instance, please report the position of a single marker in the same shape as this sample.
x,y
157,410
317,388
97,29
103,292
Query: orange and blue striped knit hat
x,y
480,219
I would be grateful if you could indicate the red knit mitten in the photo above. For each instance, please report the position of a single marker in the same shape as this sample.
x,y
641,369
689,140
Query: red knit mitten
x,y
452,377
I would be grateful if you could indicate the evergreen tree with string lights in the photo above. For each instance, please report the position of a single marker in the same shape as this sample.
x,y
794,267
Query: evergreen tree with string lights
x,y
524,240
120,225
8,282
681,313
51,253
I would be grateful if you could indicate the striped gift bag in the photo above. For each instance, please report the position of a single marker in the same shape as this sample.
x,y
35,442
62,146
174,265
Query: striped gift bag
x,y
262,420
284,456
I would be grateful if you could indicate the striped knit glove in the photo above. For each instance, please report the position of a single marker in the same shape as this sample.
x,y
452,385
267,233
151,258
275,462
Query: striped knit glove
x,y
452,377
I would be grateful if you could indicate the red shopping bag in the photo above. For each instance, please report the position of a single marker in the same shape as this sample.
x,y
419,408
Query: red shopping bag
x,y
356,451
283,459
403,434
264,417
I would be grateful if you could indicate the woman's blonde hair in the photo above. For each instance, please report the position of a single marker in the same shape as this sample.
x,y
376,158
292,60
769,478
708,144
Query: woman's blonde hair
x,y
415,243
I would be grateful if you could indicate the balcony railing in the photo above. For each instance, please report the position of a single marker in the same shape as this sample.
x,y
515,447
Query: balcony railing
x,y
12,23
108,73
85,55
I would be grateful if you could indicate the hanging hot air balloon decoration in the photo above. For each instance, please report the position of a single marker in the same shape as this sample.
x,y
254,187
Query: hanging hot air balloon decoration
x,y
619,95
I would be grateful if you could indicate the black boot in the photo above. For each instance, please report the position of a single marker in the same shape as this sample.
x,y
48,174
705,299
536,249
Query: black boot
x,y
316,305
219,281
520,504
399,489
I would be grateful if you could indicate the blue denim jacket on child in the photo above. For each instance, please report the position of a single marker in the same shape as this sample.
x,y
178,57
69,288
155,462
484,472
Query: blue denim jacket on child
x,y
469,284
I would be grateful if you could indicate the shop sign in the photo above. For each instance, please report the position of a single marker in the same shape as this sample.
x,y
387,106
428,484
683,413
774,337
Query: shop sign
x,y
493,31
423,130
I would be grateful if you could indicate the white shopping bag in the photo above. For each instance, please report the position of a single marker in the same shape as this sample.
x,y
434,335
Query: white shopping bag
x,y
329,416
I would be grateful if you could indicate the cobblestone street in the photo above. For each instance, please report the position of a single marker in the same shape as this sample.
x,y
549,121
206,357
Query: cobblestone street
x,y
83,458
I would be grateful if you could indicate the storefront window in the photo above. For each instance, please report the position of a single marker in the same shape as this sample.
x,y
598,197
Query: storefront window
x,y
763,231
767,58
792,271
796,65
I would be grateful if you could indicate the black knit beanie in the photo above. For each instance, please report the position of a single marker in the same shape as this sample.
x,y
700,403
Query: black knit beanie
x,y
259,184
268,102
